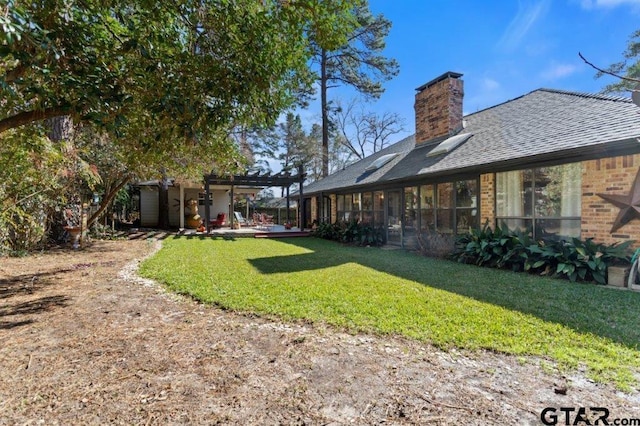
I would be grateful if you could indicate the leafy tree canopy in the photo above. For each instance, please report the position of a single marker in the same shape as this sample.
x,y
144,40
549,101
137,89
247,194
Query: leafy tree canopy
x,y
165,80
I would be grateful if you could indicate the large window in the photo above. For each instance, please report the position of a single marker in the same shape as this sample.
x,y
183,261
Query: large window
x,y
449,207
367,207
411,209
456,206
544,201
427,208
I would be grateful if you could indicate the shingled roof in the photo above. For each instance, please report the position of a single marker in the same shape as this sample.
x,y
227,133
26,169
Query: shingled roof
x,y
544,126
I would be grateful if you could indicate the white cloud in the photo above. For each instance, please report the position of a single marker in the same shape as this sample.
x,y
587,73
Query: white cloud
x,y
484,93
489,84
557,71
593,4
528,14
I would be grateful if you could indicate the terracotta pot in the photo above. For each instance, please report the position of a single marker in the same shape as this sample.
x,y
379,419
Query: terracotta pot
x,y
74,233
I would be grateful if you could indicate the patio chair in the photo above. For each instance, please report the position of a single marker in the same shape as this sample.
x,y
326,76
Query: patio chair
x,y
267,219
219,222
240,219
261,220
257,219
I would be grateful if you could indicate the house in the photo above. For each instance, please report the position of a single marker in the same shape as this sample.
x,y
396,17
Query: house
x,y
179,192
558,164
216,195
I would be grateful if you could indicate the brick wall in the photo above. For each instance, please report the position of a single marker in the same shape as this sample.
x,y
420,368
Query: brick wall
x,y
334,208
613,175
438,108
487,199
314,209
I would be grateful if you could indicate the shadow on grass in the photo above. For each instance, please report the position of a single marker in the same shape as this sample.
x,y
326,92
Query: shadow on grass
x,y
584,307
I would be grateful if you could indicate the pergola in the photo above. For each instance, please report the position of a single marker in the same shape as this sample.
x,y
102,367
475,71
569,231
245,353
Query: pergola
x,y
282,180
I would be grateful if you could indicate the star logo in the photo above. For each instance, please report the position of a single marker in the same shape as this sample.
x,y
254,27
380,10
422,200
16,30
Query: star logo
x,y
629,204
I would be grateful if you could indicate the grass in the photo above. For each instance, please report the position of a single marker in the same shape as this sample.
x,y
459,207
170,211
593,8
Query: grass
x,y
396,292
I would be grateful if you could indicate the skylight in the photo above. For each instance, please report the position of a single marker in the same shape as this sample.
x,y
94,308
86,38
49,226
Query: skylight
x,y
449,144
381,161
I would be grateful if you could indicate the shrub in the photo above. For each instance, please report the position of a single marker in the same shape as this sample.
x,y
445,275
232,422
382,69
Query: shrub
x,y
495,248
352,232
435,244
574,259
326,231
577,259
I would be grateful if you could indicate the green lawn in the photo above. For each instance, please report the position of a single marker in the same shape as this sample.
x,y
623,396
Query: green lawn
x,y
396,292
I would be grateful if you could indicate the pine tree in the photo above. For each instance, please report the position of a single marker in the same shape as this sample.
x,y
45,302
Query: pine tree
x,y
358,63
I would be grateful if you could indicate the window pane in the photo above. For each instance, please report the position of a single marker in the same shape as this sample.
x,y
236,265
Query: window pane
x,y
367,217
348,202
445,221
411,198
393,216
465,220
427,220
356,201
512,197
525,225
367,201
426,196
378,200
557,229
410,208
557,191
445,195
466,193
340,202
378,218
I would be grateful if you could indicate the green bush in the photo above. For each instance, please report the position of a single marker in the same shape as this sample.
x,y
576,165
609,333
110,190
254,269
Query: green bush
x,y
575,259
326,231
495,248
351,232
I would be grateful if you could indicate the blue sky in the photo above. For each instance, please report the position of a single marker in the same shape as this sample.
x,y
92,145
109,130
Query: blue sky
x,y
504,48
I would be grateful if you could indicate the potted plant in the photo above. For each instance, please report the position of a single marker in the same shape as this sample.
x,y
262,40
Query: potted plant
x,y
72,218
617,275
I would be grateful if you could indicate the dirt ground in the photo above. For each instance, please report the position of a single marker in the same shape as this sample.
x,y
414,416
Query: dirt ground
x,y
83,340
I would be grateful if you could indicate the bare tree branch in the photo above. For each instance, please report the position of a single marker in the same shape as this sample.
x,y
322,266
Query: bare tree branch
x,y
635,80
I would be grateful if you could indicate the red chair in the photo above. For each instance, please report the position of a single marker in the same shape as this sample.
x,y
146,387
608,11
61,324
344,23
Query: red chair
x,y
220,221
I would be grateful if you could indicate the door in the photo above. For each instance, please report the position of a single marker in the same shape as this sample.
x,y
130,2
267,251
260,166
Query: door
x,y
394,217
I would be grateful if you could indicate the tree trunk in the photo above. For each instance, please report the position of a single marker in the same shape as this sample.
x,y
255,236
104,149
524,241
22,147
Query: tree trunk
x,y
163,199
325,114
107,200
60,128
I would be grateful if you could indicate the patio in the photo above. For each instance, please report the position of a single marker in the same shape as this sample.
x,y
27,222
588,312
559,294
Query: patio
x,y
257,231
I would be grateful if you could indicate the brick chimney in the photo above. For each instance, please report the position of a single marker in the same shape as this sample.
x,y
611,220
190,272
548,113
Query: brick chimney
x,y
438,107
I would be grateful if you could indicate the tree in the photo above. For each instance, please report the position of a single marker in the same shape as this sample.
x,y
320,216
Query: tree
x,y
363,133
35,180
357,63
159,85
313,164
179,72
